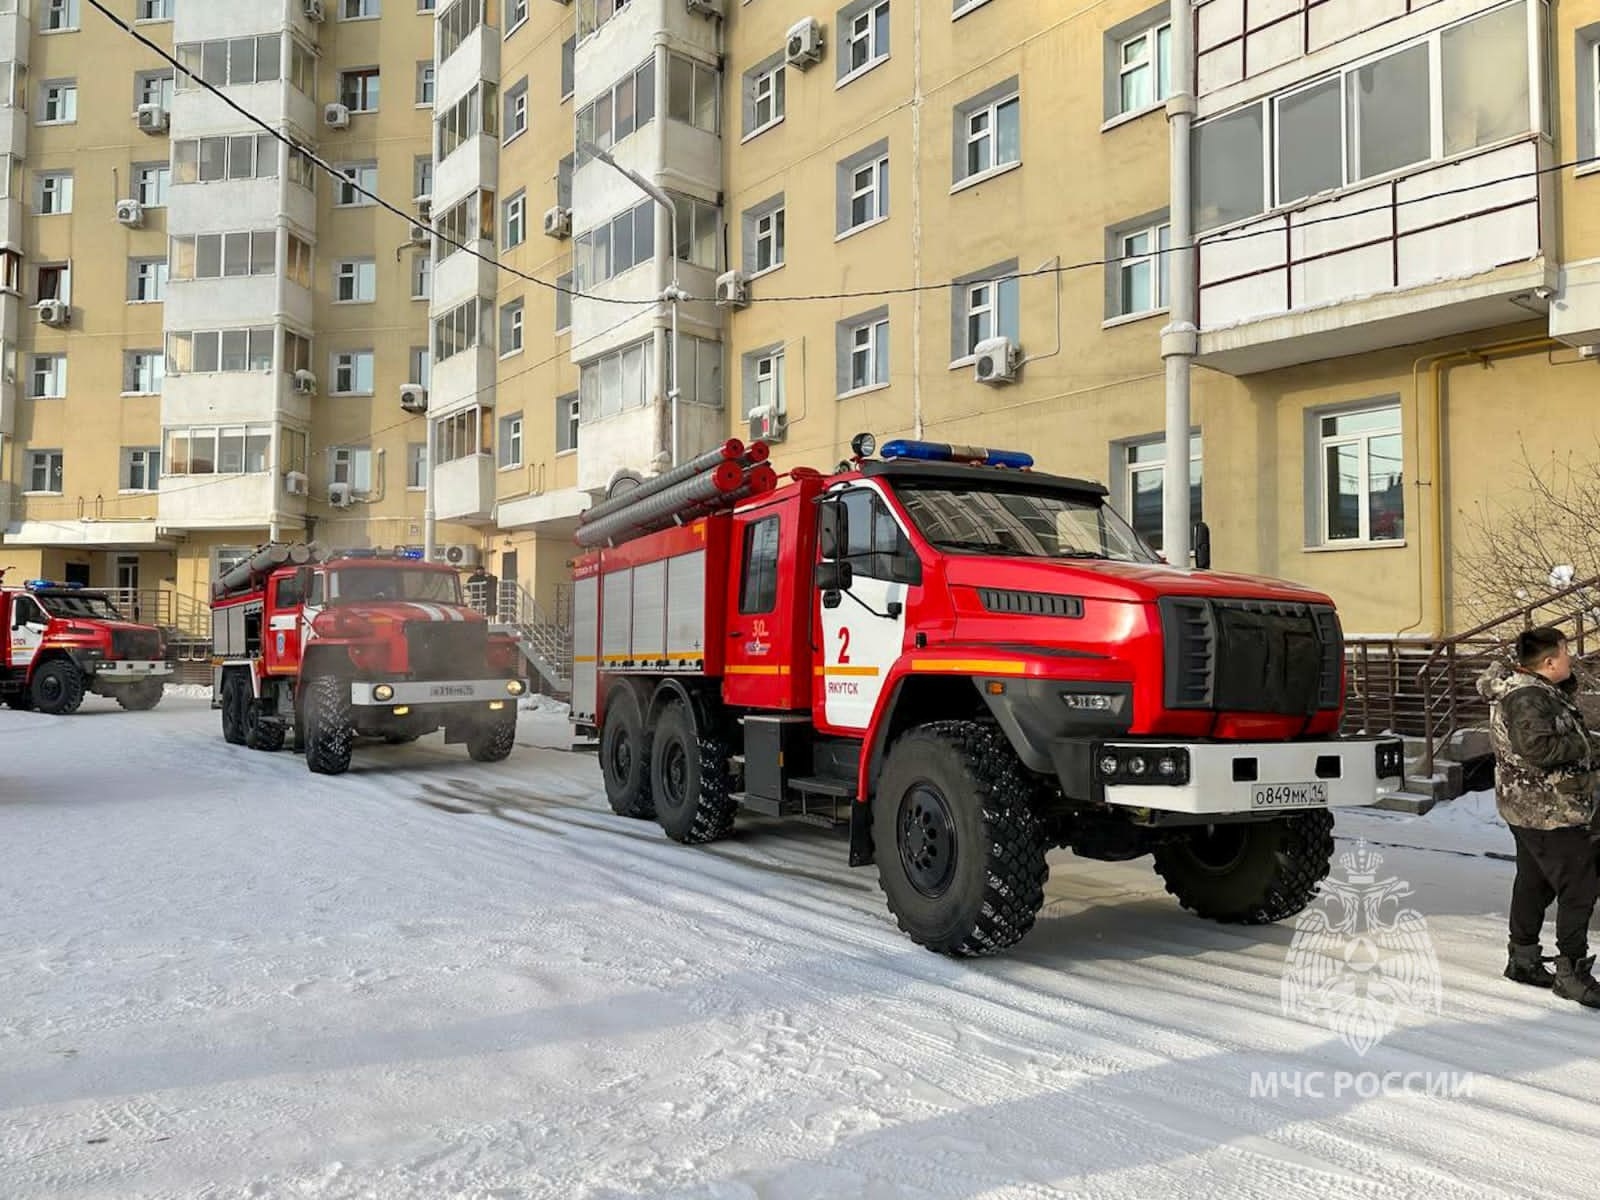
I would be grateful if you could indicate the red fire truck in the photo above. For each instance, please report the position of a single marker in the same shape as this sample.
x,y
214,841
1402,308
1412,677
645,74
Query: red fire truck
x,y
967,662
358,644
59,641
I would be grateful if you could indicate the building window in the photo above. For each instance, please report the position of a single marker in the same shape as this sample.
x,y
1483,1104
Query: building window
x,y
699,223
302,172
473,114
54,193
54,282
629,105
420,367
861,352
425,83
238,61
989,132
357,176
567,423
47,376
358,90
1144,69
569,62
464,433
59,102
225,255
141,468
564,302
416,466
154,87
142,372
616,382
151,182
693,90
1143,467
516,120
357,10
511,440
421,277
154,10
1445,94
763,383
863,188
59,15
355,281
352,466
622,243
456,24
984,305
212,159
352,373
516,15
461,328
422,175
864,35
297,262
763,235
44,471
764,99
511,328
147,280
1139,267
564,182
1362,475
208,351
515,220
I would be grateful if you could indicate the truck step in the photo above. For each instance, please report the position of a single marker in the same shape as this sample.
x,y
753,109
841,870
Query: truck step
x,y
765,806
817,786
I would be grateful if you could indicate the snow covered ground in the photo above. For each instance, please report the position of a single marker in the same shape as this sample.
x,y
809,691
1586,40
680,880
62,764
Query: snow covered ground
x,y
221,976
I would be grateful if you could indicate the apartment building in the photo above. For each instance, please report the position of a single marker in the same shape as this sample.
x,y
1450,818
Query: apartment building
x,y
946,219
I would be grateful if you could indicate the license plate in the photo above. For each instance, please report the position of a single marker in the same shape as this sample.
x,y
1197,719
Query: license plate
x,y
447,690
1288,795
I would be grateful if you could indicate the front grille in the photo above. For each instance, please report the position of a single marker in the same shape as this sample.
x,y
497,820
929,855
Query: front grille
x,y
1255,656
447,649
1030,604
135,643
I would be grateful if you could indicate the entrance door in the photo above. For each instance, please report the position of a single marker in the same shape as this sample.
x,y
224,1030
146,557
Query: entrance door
x,y
863,634
126,573
507,603
78,573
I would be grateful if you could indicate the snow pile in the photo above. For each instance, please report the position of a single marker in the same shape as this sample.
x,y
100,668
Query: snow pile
x,y
189,691
540,703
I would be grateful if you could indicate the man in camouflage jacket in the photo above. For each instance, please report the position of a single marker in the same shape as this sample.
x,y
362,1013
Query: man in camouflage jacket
x,y
1547,776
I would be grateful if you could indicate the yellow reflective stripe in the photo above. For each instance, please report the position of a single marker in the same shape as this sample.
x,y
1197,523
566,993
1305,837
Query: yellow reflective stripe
x,y
970,666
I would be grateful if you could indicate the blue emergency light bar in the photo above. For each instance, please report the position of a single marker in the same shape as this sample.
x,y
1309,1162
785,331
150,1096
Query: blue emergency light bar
x,y
44,585
945,452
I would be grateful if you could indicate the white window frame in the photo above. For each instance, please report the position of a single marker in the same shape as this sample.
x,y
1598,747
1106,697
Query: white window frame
x,y
56,187
156,365
990,112
55,464
875,188
148,461
1151,61
416,466
1131,472
768,373
509,451
351,465
62,93
154,10
516,112
988,310
863,28
513,328
875,331
360,10
351,269
514,220
422,277
427,83
70,16
348,363
1364,478
361,174
158,275
47,376
776,227
569,416
770,88
156,177
1160,235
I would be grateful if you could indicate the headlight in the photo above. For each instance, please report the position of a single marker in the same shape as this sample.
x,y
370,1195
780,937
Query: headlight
x,y
514,687
383,692
1144,765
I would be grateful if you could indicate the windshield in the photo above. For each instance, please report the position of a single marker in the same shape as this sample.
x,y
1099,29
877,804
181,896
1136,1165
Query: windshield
x,y
356,585
79,606
1020,524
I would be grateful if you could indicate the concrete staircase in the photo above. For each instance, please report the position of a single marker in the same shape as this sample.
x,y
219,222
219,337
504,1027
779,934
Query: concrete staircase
x,y
545,638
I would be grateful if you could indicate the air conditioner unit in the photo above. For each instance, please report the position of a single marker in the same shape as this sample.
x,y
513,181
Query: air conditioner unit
x,y
419,235
804,44
1589,351
152,117
335,116
305,382
996,360
457,554
295,483
558,222
340,495
53,312
706,8
313,9
424,205
767,425
414,398
733,290
130,213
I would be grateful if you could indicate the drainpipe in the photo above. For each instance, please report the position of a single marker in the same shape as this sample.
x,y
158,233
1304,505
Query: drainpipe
x,y
1180,338
1430,595
428,520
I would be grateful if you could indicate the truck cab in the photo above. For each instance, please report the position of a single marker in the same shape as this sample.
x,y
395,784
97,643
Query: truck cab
x,y
967,662
60,641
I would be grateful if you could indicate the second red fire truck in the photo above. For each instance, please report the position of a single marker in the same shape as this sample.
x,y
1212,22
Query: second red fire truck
x,y
966,662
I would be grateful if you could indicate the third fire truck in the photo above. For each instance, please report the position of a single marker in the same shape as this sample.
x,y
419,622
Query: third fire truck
x,y
966,662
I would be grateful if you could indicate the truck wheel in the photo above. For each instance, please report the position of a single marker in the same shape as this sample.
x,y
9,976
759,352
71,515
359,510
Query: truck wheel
x,y
961,850
58,687
1250,873
234,697
690,780
260,734
142,696
329,730
493,742
625,758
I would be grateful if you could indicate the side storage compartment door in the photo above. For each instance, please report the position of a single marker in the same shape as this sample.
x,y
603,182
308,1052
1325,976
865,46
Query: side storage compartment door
x,y
585,646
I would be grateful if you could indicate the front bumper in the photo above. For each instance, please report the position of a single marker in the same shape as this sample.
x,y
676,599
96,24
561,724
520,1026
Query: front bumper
x,y
414,693
1258,778
128,671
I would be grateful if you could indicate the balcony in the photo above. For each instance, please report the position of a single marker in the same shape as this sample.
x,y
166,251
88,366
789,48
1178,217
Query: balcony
x,y
8,409
197,113
13,132
476,58
225,205
227,501
462,379
232,398
472,165
1446,249
463,489
16,31
236,301
462,276
11,226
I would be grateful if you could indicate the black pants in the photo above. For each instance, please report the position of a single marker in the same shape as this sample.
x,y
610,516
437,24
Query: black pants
x,y
1559,865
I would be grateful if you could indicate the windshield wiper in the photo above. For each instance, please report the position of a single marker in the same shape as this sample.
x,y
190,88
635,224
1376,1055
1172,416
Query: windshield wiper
x,y
1079,554
983,547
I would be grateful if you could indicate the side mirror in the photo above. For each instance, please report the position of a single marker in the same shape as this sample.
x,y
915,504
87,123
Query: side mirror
x,y
302,578
835,576
1200,536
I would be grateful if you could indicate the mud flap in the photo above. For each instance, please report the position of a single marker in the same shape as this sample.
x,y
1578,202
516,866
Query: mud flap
x,y
861,833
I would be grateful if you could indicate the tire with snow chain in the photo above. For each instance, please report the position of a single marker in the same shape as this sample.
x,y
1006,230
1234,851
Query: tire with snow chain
x,y
233,700
958,840
141,696
493,743
690,778
58,687
260,734
1250,873
625,757
330,734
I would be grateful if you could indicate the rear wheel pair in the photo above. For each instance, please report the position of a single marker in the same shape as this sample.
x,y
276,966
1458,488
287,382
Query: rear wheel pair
x,y
681,775
245,721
